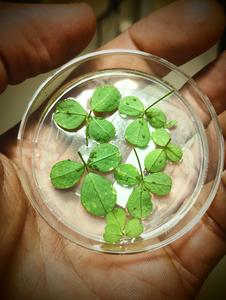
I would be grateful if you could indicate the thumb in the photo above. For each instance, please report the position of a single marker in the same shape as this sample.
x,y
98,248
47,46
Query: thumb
x,y
36,38
13,208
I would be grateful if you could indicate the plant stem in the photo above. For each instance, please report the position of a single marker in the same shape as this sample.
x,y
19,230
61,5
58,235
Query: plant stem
x,y
160,99
84,163
167,143
89,115
87,134
138,160
87,128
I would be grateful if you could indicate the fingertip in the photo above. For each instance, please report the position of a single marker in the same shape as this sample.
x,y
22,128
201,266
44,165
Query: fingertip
x,y
209,15
91,18
180,31
88,22
41,38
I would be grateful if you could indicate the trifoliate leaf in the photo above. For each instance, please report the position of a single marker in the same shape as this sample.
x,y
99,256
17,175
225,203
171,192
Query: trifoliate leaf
x,y
139,203
158,183
138,133
104,157
105,98
101,130
160,137
131,106
98,195
134,228
65,174
117,217
155,161
69,114
112,234
174,152
127,174
156,117
171,124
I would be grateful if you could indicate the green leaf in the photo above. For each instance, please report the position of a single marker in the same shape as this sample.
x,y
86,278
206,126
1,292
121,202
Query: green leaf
x,y
160,137
127,174
66,173
138,133
101,130
104,157
117,217
171,124
139,203
134,228
105,98
69,114
174,152
156,117
112,234
158,183
131,106
155,161
98,195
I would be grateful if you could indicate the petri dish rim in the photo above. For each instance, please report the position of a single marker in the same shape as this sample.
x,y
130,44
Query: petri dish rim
x,y
170,66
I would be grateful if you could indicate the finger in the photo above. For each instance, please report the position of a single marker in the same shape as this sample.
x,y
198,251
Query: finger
x,y
222,120
212,81
177,32
12,212
200,250
217,210
38,38
213,148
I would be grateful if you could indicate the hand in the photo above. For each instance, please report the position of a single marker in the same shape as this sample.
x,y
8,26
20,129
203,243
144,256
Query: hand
x,y
35,261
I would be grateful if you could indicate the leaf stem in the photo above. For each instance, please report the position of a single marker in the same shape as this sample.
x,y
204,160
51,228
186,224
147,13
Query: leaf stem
x,y
87,128
160,99
87,134
167,143
89,115
138,160
84,163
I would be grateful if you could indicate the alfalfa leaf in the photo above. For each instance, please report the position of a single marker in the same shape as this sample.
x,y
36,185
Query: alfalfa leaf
x,y
155,161
105,98
66,173
159,183
131,106
69,114
98,195
101,130
127,174
139,204
137,133
134,228
156,117
104,157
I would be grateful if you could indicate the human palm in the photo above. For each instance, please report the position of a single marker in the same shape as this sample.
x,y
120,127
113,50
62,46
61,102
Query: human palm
x,y
35,261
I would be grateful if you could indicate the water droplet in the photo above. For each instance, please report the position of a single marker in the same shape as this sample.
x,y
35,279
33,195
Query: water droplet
x,y
123,116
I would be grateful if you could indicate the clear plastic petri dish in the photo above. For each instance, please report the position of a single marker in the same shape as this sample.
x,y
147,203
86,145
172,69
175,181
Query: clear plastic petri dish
x,y
41,143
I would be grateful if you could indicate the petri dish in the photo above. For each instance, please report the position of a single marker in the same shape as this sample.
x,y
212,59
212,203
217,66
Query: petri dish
x,y
41,143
